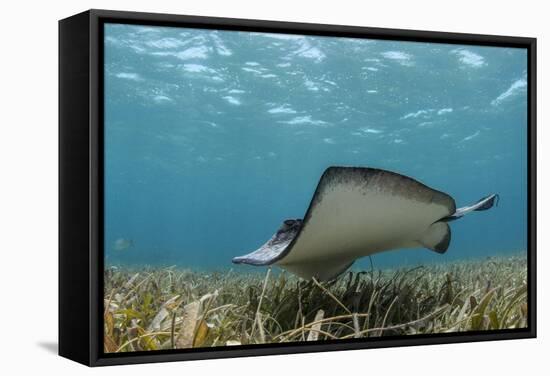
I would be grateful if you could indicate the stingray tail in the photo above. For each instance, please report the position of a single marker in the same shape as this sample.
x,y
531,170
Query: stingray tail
x,y
485,203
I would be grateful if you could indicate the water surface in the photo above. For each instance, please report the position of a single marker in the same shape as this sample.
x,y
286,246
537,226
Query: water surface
x,y
212,138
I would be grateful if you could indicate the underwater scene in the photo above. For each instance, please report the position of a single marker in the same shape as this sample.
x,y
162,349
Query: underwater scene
x,y
265,188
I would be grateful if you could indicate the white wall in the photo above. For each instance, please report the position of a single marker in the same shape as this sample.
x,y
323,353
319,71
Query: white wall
x,y
28,186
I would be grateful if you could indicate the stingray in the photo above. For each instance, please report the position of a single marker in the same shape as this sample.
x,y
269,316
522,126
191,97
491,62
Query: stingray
x,y
357,212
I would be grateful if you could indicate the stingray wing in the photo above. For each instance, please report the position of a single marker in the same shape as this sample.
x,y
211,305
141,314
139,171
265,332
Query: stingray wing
x,y
267,254
275,247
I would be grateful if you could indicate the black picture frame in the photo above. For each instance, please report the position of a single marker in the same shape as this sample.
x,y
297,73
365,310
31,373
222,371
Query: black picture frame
x,y
81,182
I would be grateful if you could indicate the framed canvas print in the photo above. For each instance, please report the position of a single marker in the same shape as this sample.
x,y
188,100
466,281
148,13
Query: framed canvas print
x,y
236,187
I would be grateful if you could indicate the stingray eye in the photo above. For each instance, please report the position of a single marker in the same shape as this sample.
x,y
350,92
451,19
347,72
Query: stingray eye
x,y
289,222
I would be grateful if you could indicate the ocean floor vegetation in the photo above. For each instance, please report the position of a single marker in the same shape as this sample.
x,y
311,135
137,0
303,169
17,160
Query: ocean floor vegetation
x,y
171,308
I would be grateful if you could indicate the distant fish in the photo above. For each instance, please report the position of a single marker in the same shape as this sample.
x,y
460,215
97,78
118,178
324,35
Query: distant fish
x,y
357,212
122,244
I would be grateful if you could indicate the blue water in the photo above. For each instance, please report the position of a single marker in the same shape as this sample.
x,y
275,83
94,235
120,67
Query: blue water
x,y
212,138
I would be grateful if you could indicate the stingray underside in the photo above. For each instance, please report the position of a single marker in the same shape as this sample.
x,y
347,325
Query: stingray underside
x,y
356,212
